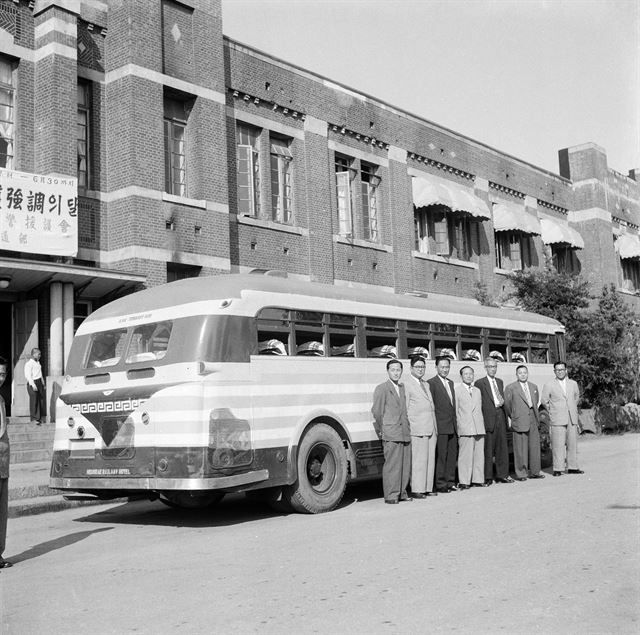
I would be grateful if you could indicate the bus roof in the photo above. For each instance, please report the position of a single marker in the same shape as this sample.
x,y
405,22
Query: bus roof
x,y
254,291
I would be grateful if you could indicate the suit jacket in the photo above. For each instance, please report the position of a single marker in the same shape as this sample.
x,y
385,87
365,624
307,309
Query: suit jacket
x,y
562,409
390,412
517,408
420,408
445,410
468,411
488,404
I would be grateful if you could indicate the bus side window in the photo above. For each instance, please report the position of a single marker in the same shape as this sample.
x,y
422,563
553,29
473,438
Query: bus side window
x,y
342,335
149,342
381,337
445,340
471,343
518,347
309,333
497,344
539,348
274,328
418,339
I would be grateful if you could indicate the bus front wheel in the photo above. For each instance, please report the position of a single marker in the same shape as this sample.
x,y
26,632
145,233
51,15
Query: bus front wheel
x,y
322,472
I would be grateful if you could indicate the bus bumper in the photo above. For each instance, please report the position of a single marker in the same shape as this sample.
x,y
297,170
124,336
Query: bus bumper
x,y
234,481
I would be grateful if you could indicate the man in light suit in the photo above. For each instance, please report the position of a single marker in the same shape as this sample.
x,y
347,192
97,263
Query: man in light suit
x,y
422,419
521,401
392,425
470,426
560,397
495,424
444,400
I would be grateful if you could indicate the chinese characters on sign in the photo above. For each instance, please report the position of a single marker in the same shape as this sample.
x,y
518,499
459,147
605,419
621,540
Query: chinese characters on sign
x,y
38,214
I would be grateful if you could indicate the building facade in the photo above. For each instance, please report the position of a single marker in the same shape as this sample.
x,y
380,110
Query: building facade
x,y
177,152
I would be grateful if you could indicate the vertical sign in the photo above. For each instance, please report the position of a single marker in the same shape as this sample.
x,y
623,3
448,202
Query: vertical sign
x,y
38,214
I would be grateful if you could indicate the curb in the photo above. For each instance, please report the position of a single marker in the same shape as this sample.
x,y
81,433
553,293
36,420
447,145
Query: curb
x,y
53,503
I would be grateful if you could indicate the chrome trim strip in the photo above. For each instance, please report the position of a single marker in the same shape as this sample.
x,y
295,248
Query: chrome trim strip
x,y
101,483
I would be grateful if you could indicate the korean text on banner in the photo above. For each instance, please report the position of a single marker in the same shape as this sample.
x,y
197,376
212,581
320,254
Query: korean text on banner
x,y
38,214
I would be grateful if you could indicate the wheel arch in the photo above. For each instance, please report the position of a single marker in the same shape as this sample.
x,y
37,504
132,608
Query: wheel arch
x,y
333,421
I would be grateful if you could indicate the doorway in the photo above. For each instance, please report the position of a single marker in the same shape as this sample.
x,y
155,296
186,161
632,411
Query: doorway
x,y
6,342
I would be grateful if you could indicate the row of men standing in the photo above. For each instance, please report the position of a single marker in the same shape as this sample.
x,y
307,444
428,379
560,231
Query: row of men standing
x,y
430,428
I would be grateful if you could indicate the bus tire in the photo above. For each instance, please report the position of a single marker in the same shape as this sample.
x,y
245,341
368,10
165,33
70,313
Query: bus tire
x,y
322,472
191,500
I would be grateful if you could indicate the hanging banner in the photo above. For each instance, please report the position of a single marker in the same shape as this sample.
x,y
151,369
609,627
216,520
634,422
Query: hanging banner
x,y
38,214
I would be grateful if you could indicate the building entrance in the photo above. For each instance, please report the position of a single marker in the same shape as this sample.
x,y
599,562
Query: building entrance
x,y
6,345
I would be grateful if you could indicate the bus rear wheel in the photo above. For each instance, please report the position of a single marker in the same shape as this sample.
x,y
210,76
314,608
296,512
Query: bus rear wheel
x,y
191,500
322,472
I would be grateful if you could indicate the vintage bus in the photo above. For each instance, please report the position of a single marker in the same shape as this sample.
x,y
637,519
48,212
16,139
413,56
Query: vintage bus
x,y
259,384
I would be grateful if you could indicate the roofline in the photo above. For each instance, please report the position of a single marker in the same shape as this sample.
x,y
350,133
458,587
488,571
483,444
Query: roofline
x,y
388,106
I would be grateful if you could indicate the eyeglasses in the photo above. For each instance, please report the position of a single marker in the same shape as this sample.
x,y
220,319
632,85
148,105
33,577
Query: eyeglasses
x,y
419,366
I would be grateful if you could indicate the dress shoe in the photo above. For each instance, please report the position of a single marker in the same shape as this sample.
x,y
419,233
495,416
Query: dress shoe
x,y
5,564
537,476
521,478
418,495
390,501
454,488
480,484
432,493
462,486
442,491
406,499
506,479
556,473
575,471
488,482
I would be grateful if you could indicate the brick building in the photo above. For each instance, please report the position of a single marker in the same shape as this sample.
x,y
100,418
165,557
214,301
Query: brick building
x,y
194,154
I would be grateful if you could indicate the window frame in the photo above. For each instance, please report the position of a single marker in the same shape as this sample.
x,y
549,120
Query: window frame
x,y
84,111
369,186
10,123
173,123
248,143
281,166
345,176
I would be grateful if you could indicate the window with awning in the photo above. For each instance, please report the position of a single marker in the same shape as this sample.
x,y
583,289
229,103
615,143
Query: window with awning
x,y
628,246
511,218
435,191
557,233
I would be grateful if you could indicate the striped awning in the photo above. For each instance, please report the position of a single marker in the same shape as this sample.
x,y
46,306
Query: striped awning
x,y
554,232
628,246
435,191
508,218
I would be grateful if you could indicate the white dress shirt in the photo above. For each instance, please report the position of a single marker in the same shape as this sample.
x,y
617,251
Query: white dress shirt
x,y
32,371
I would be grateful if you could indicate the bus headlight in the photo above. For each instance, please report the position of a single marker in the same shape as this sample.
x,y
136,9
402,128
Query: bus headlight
x,y
229,440
145,418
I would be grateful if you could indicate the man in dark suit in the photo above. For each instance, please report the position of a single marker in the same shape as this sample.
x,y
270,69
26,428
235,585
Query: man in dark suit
x,y
521,400
392,425
444,401
495,424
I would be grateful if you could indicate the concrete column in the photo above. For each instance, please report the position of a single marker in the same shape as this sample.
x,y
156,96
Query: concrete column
x,y
67,318
56,342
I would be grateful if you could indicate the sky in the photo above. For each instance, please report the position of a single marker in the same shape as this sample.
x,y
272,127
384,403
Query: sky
x,y
526,77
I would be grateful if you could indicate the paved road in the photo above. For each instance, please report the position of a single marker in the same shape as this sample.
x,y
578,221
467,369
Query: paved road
x,y
558,555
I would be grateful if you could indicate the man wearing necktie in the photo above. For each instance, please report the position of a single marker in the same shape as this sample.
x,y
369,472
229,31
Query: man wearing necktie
x,y
392,426
495,423
4,469
560,397
422,418
470,427
444,401
521,405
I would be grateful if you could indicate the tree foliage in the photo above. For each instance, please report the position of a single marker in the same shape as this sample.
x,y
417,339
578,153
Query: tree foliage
x,y
602,343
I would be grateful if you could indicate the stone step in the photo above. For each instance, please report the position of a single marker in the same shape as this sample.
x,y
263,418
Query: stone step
x,y
55,503
35,435
29,427
30,456
35,444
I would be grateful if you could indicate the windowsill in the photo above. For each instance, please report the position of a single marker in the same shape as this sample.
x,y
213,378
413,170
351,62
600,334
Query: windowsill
x,y
183,200
357,242
269,224
503,272
85,193
627,292
445,259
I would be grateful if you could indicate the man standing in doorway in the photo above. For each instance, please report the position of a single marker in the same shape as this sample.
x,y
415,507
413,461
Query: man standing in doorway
x,y
560,397
422,418
444,400
4,469
495,423
35,387
392,425
521,405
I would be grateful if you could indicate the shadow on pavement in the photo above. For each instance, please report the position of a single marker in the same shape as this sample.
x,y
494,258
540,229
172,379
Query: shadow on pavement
x,y
233,510
52,545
